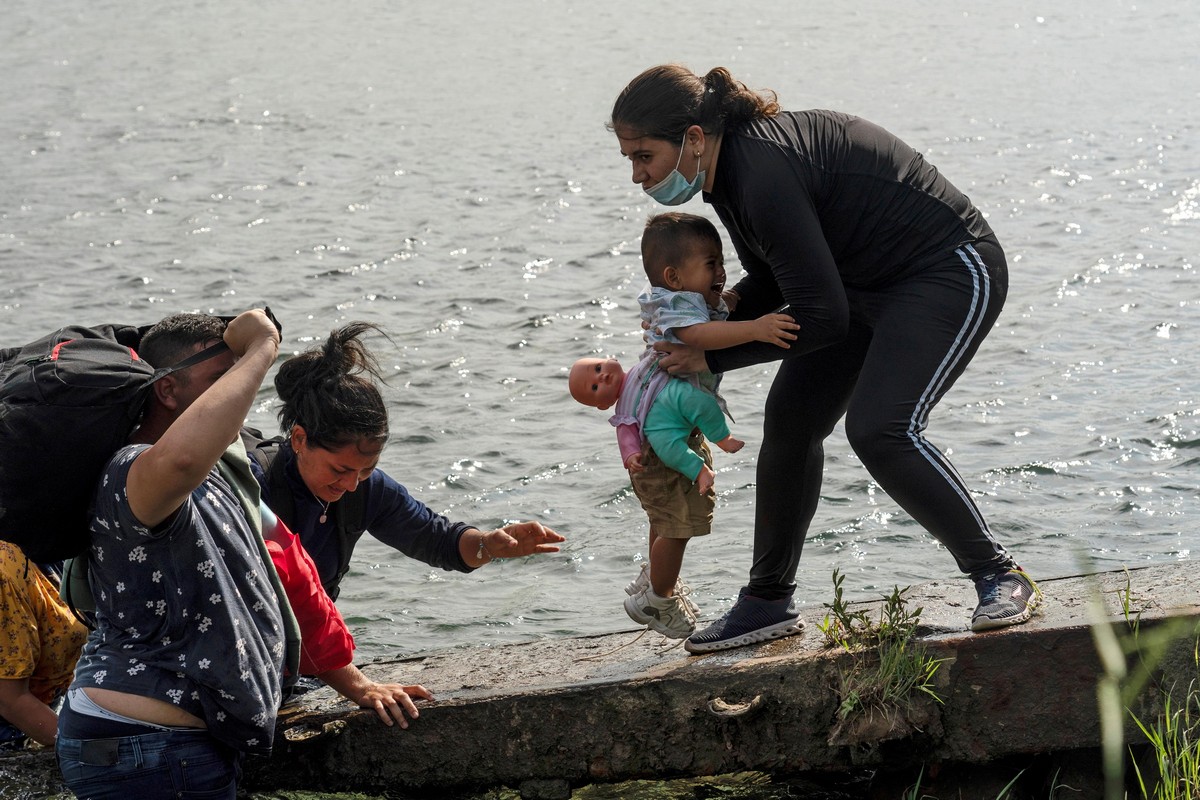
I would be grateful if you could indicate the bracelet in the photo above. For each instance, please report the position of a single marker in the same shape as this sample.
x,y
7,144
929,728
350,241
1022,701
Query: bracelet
x,y
482,549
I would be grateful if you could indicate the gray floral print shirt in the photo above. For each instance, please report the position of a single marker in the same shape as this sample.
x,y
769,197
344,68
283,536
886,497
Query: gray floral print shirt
x,y
186,613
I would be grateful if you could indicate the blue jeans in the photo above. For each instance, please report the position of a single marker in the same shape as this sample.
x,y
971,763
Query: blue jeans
x,y
171,765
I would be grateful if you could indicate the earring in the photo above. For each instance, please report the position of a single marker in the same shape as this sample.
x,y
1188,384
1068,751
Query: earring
x,y
697,154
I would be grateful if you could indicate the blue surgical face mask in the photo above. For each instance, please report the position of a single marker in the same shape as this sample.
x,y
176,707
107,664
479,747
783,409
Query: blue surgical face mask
x,y
676,189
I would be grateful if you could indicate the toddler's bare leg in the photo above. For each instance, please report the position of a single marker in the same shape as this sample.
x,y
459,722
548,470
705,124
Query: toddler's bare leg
x,y
666,559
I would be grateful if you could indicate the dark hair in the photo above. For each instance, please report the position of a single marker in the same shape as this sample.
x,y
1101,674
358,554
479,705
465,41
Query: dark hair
x,y
330,391
666,100
175,338
668,238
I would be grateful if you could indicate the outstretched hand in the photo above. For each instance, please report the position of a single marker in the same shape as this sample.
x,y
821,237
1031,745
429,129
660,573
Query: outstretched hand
x,y
521,539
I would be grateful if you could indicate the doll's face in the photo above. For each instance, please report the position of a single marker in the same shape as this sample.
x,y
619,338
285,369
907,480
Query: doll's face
x,y
596,382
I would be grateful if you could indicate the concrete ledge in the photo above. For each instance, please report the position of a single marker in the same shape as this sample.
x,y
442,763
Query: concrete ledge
x,y
554,714
608,708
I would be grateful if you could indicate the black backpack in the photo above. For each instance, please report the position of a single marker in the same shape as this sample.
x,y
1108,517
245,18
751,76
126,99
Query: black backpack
x,y
68,401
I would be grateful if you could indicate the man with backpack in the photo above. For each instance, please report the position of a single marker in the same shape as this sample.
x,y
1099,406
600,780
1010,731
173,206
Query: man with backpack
x,y
184,671
183,675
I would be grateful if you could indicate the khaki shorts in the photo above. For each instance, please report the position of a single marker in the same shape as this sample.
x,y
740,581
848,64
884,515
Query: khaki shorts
x,y
675,508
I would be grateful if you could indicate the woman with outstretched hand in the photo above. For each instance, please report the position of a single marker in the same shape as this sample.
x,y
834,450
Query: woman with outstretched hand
x,y
322,478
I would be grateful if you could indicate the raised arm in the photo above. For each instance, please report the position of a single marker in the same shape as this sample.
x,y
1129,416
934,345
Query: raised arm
x,y
165,474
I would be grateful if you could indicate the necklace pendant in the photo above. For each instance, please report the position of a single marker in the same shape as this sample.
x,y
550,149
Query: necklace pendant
x,y
323,518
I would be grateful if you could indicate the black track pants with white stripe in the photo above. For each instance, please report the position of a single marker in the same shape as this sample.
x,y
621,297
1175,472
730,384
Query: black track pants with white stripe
x,y
907,346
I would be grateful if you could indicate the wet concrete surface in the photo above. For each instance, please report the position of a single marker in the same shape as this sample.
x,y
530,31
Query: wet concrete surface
x,y
620,707
548,716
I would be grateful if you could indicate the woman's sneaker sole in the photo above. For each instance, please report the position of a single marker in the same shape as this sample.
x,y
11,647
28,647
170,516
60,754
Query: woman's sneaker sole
x,y
751,620
776,631
1006,598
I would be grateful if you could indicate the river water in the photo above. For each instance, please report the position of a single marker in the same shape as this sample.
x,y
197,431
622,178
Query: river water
x,y
443,169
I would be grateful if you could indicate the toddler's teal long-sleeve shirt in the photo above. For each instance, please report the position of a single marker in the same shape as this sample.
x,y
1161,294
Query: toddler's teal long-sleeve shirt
x,y
678,409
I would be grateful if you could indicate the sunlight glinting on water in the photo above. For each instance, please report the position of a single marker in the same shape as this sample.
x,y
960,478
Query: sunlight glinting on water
x,y
455,183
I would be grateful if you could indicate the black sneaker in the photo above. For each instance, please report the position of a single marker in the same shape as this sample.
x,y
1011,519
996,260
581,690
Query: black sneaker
x,y
752,619
1008,597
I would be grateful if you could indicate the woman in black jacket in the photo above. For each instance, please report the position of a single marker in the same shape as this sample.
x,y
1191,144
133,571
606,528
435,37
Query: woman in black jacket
x,y
894,277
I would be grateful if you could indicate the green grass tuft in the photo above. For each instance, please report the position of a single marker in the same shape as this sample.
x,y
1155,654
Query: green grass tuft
x,y
890,668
